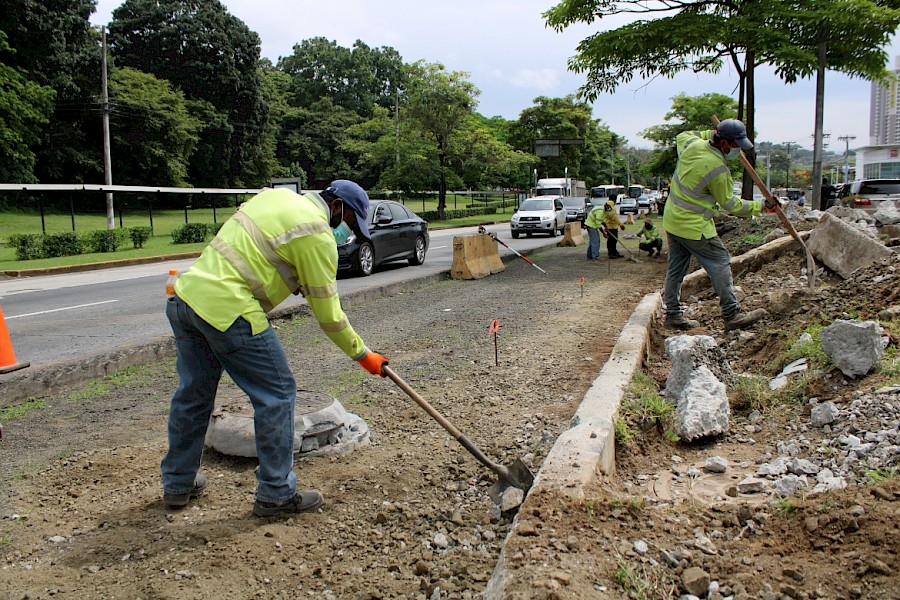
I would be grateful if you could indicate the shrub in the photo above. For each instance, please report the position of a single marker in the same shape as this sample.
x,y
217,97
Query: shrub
x,y
432,215
105,240
214,228
139,235
62,244
190,233
28,246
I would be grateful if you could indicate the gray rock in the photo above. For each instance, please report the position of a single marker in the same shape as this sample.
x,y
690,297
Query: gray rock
x,y
789,485
702,407
842,247
695,581
887,213
824,414
715,464
751,485
853,346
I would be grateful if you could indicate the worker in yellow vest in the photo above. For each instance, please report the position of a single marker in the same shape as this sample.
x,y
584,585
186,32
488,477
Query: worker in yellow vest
x,y
652,242
700,188
612,225
278,243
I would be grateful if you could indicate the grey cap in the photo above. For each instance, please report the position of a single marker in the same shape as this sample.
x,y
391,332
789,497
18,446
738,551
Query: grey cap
x,y
353,196
733,130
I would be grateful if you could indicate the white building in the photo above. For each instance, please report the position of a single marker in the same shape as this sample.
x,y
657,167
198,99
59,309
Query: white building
x,y
884,123
878,161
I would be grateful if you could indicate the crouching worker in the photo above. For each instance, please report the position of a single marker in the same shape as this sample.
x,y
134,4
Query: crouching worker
x,y
278,243
652,242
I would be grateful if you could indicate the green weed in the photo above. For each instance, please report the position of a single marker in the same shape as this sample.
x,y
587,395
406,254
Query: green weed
x,y
624,433
17,411
810,350
643,582
135,375
880,475
90,391
785,507
643,404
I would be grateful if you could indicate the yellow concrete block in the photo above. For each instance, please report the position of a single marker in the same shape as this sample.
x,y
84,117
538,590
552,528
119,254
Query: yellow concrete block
x,y
572,235
475,256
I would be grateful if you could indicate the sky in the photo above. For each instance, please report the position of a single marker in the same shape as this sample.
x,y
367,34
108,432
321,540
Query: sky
x,y
513,58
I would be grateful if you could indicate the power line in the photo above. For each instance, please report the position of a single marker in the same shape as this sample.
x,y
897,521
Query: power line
x,y
846,139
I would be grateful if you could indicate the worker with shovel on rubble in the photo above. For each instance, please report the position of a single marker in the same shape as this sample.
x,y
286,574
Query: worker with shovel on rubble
x,y
700,188
611,227
278,243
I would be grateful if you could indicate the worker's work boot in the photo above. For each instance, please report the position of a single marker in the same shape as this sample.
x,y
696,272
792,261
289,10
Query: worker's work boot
x,y
182,500
301,502
742,319
680,322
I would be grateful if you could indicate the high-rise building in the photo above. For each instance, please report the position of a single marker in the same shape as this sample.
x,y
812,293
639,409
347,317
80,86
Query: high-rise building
x,y
884,117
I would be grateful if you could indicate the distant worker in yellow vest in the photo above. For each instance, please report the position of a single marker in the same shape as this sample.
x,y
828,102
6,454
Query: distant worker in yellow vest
x,y
612,226
652,242
594,223
700,188
278,243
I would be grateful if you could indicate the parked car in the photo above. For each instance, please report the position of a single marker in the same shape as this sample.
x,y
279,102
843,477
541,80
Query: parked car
x,y
868,194
543,214
645,203
576,210
397,233
628,205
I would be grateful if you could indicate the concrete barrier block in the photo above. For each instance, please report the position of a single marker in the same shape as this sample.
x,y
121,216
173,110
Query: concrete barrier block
x,y
842,247
475,256
572,235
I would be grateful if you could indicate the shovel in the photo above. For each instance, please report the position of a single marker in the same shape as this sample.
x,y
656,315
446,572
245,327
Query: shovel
x,y
516,475
810,261
621,245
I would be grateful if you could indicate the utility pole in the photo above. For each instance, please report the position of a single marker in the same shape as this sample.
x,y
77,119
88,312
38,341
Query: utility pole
x,y
107,156
768,171
846,139
787,173
817,200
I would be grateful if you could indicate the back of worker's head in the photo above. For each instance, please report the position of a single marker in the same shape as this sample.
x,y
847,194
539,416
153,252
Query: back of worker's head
x,y
648,224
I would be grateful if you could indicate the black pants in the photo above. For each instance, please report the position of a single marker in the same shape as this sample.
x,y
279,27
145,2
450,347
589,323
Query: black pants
x,y
611,243
651,246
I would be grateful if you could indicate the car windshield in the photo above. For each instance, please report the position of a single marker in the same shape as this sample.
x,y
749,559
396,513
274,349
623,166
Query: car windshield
x,y
536,204
885,187
628,201
573,202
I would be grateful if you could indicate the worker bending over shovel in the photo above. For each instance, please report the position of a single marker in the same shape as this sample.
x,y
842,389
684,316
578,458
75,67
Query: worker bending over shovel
x,y
611,223
278,243
700,187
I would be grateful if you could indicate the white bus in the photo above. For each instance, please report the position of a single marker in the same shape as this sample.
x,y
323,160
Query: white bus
x,y
601,193
636,191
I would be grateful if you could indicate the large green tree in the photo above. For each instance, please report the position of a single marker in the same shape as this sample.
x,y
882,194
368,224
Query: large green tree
x,y
54,46
25,109
213,58
672,36
440,103
687,113
152,133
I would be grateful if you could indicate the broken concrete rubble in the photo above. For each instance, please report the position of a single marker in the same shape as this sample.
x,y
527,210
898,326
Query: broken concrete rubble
x,y
887,213
853,346
842,247
701,404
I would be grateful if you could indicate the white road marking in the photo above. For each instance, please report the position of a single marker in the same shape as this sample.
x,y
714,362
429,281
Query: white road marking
x,y
44,312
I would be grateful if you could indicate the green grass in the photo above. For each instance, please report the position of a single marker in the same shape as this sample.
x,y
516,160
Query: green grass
x,y
880,475
643,582
643,406
811,350
17,411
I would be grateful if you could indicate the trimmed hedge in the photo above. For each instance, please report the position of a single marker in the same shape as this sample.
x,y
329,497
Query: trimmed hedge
x,y
432,215
140,234
190,233
105,240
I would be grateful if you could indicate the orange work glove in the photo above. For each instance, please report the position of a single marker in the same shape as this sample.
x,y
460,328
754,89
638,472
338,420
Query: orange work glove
x,y
373,363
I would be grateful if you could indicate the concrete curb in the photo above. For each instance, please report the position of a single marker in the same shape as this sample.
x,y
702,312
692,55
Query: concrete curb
x,y
50,378
587,448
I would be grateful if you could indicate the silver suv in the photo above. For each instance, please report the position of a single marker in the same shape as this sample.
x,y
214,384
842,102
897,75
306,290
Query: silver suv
x,y
541,214
867,194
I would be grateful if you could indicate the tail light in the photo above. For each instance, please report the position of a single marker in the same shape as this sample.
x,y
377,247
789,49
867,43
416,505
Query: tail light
x,y
863,202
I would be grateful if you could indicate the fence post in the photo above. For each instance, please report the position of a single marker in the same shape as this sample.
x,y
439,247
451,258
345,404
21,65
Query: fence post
x,y
72,211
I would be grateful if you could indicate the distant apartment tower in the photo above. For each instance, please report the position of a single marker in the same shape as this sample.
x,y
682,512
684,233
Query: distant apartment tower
x,y
884,120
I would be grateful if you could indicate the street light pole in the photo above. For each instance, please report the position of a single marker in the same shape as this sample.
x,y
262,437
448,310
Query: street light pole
x,y
846,139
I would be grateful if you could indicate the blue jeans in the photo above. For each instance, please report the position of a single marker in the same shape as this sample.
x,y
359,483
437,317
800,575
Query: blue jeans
x,y
593,249
259,366
714,258
651,246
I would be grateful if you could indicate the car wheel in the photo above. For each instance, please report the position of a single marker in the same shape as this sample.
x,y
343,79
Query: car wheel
x,y
418,256
365,259
515,235
554,231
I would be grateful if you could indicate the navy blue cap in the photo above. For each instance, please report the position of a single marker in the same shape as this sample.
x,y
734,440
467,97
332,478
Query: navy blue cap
x,y
353,196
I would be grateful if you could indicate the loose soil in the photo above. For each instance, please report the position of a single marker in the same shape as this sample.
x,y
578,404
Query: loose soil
x,y
407,516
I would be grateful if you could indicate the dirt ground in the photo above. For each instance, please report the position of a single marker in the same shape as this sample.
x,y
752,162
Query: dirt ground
x,y
406,516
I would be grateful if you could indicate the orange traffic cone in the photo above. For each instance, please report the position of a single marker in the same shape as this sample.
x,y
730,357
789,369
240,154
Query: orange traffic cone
x,y
7,356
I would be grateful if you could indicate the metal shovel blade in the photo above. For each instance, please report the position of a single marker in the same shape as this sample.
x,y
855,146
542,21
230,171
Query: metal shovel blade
x,y
515,475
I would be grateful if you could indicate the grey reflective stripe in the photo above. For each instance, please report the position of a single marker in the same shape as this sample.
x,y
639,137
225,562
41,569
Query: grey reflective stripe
x,y
707,214
268,248
705,202
335,327
237,261
301,230
698,189
319,292
748,208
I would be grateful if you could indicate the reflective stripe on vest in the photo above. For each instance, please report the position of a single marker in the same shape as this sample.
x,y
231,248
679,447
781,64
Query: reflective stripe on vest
x,y
257,288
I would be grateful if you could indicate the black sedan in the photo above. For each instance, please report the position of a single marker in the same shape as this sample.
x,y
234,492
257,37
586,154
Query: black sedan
x,y
397,233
